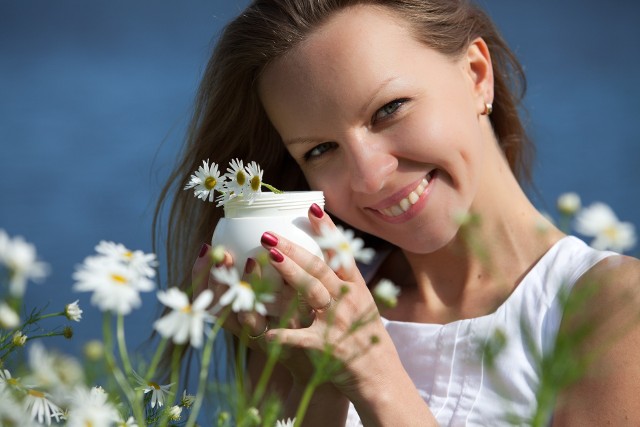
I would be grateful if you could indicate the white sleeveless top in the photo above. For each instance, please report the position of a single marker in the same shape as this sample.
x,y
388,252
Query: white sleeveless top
x,y
446,363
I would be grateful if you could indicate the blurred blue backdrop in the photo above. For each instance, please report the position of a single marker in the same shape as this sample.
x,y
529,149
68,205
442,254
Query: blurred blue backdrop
x,y
94,98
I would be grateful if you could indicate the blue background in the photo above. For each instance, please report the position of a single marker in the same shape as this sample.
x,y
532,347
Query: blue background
x,y
94,98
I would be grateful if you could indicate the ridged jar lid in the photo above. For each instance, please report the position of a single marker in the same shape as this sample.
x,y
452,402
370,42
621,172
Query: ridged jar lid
x,y
266,204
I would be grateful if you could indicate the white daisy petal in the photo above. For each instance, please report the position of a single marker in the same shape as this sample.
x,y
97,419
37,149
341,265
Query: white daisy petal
x,y
186,321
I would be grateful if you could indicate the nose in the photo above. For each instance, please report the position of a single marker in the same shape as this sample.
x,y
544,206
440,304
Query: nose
x,y
370,164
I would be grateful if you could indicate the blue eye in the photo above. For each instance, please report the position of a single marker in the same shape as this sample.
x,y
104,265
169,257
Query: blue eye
x,y
319,150
388,109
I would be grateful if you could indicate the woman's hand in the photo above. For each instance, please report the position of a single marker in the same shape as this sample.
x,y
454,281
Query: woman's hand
x,y
345,317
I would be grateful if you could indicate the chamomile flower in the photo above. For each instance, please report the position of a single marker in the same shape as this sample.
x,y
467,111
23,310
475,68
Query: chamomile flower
x,y
116,287
186,321
139,261
386,293
240,294
73,311
175,412
289,422
129,422
20,260
91,408
254,186
206,181
569,203
11,412
600,222
187,400
158,392
237,179
7,381
343,247
19,339
41,408
9,319
53,371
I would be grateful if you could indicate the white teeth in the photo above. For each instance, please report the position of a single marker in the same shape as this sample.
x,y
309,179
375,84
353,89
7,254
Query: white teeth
x,y
407,202
413,197
396,210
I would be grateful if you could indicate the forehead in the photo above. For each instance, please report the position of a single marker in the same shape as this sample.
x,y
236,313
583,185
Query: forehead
x,y
341,64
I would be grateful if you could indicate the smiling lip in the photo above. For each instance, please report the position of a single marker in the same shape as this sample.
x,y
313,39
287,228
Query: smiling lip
x,y
403,205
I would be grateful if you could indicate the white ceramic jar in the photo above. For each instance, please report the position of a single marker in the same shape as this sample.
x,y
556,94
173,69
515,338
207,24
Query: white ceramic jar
x,y
286,214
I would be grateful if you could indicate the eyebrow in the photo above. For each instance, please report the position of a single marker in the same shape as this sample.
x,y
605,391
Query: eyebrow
x,y
366,106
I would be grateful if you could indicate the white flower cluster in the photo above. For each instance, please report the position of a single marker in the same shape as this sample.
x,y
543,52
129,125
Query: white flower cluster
x,y
116,276
19,259
599,222
239,181
342,246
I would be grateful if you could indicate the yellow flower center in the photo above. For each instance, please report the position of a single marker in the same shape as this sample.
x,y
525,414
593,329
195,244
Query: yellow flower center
x,y
13,382
611,232
36,393
154,385
128,254
240,177
245,284
120,280
344,246
186,309
255,183
210,182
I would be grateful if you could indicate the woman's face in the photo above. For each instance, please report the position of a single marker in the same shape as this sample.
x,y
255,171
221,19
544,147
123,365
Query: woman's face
x,y
388,128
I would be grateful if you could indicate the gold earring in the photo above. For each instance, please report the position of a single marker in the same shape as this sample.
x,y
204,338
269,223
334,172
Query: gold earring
x,y
488,108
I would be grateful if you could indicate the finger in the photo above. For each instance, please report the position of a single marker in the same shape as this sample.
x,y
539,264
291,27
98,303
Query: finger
x,y
253,323
322,224
312,290
200,269
299,338
310,264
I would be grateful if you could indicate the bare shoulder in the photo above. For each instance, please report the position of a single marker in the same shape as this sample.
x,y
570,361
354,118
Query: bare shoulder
x,y
603,320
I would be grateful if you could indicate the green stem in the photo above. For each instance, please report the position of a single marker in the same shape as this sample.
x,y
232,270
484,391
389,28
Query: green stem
x,y
272,188
175,381
272,358
47,316
117,373
306,399
204,368
156,359
122,346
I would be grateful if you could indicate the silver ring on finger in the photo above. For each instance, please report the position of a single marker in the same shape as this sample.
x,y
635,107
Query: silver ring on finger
x,y
327,306
261,334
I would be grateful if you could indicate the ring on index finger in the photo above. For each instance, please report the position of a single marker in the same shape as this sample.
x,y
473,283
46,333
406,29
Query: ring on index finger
x,y
327,306
261,334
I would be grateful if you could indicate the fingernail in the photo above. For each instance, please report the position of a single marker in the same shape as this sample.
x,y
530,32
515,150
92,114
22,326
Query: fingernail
x,y
269,239
276,255
203,250
316,211
250,265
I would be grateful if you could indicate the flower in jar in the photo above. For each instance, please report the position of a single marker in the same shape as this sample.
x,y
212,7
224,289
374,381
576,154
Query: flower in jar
x,y
206,181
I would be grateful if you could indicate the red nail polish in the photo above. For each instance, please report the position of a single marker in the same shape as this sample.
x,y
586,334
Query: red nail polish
x,y
250,265
316,211
276,255
269,239
203,250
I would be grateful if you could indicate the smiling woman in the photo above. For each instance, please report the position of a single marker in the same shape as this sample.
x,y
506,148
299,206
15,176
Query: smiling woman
x,y
405,114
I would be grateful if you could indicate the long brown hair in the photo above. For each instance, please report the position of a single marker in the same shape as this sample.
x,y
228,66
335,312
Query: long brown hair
x,y
229,121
